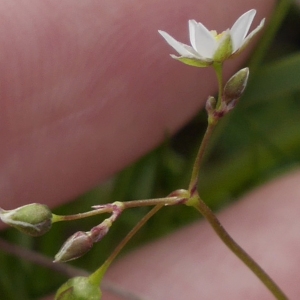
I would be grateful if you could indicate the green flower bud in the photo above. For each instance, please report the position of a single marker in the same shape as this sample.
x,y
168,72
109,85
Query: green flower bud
x,y
235,87
79,288
33,219
75,246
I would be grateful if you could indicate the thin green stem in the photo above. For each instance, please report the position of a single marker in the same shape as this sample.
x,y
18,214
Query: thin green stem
x,y
211,125
219,71
95,212
109,208
237,250
97,276
151,202
199,158
197,203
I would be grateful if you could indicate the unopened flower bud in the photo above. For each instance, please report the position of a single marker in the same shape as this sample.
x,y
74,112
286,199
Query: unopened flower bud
x,y
79,288
235,87
210,104
75,246
33,219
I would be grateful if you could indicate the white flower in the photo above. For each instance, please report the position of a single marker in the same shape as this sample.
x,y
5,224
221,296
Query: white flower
x,y
208,47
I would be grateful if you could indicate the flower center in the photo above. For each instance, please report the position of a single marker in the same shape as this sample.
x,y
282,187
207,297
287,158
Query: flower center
x,y
217,36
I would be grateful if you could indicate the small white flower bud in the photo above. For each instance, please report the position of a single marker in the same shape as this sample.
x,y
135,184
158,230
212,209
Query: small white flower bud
x,y
33,219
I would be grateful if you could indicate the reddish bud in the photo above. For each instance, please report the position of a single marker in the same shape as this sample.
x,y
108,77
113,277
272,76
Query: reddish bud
x,y
75,246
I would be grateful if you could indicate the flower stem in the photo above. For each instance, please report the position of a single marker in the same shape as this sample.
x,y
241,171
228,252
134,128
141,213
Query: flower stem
x,y
219,72
59,218
108,208
97,276
199,205
199,158
152,202
209,130
237,250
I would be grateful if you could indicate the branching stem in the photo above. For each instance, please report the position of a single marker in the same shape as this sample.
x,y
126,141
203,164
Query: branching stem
x,y
97,276
108,208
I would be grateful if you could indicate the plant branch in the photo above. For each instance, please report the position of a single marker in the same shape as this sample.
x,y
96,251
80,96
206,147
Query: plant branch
x,y
199,158
99,273
238,250
109,208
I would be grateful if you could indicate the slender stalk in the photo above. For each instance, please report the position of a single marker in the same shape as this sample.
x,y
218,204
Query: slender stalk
x,y
151,202
97,276
209,130
219,71
95,212
198,204
109,208
238,250
199,158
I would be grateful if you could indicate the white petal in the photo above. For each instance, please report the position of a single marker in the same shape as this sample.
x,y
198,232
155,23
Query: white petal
x,y
258,28
202,39
182,49
252,34
241,27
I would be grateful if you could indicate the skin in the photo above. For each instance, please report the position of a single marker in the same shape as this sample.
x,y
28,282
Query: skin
x,y
86,89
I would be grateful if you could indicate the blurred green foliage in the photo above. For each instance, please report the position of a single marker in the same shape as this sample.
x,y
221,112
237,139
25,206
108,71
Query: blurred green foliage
x,y
257,141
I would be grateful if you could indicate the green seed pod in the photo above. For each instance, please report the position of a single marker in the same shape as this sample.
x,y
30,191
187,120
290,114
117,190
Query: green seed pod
x,y
33,219
78,288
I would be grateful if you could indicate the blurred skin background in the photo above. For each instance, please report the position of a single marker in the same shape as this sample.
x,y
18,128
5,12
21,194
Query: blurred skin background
x,y
87,88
